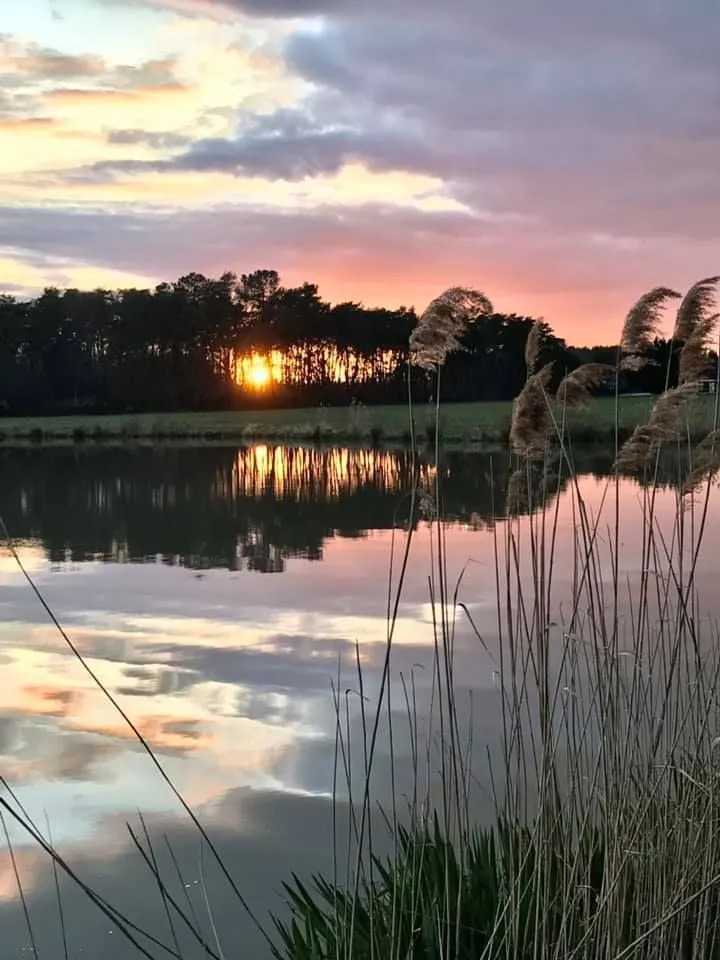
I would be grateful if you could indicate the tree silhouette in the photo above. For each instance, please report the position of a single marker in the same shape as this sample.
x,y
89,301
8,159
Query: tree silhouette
x,y
181,346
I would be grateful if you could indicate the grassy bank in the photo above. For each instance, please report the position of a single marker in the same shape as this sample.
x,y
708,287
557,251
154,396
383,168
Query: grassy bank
x,y
460,422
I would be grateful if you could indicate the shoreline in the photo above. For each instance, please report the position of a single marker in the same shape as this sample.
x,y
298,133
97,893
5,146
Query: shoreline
x,y
464,423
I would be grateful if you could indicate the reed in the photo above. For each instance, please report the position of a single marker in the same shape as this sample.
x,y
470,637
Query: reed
x,y
533,347
531,423
694,307
575,389
442,324
641,326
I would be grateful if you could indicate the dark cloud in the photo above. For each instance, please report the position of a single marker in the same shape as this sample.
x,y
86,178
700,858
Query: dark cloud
x,y
600,123
513,105
291,145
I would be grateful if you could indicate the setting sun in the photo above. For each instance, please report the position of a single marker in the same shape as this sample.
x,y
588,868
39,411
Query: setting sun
x,y
259,375
258,371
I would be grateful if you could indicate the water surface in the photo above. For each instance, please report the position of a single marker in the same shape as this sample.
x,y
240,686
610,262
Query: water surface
x,y
213,590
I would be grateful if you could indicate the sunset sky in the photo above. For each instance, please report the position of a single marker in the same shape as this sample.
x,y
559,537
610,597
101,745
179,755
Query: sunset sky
x,y
560,156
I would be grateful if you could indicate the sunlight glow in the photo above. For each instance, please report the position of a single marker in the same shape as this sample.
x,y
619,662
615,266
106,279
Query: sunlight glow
x,y
259,375
259,371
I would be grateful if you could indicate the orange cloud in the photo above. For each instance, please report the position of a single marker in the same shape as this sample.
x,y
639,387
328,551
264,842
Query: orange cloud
x,y
26,123
33,61
74,95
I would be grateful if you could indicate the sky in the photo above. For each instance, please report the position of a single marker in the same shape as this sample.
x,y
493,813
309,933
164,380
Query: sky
x,y
561,156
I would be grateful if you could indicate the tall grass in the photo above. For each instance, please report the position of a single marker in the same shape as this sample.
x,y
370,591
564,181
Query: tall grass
x,y
605,834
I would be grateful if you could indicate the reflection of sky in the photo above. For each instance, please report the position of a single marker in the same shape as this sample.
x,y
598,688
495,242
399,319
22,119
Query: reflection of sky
x,y
227,674
221,673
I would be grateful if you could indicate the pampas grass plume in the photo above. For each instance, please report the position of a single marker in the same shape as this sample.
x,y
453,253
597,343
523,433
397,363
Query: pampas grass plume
x,y
441,326
533,346
574,389
663,425
531,421
641,325
694,307
693,356
706,462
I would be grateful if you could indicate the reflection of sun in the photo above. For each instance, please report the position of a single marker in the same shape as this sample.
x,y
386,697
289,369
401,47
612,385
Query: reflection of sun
x,y
258,375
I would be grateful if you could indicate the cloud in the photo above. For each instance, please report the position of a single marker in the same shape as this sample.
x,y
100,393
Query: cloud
x,y
289,144
26,123
578,146
159,72
80,95
31,60
158,141
77,758
595,124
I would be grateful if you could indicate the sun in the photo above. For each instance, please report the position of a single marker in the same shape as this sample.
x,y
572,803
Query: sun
x,y
259,374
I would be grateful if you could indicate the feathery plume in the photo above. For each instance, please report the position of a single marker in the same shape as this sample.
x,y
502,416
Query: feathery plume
x,y
693,356
663,425
706,460
531,421
574,389
641,326
439,329
695,306
533,346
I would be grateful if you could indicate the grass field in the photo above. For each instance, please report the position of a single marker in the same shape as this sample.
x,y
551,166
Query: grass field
x,y
460,422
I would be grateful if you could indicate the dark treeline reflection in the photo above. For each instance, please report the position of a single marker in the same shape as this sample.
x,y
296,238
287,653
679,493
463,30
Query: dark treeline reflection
x,y
235,507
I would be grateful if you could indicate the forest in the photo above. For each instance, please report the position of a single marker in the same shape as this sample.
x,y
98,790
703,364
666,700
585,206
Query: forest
x,y
240,342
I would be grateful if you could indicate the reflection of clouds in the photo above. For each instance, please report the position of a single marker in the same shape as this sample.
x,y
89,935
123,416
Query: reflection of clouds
x,y
229,678
259,837
155,680
48,702
31,866
79,758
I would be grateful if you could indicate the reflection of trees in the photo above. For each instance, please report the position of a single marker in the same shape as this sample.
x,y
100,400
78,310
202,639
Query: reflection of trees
x,y
247,507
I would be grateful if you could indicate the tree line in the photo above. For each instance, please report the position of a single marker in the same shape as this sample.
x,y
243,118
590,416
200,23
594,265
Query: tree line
x,y
186,345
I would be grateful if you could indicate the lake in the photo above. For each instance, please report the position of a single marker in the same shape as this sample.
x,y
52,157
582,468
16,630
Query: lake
x,y
213,590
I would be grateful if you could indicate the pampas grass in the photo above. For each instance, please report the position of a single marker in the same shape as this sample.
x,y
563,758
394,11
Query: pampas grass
x,y
694,360
532,420
641,326
664,425
574,389
706,462
443,323
694,307
533,346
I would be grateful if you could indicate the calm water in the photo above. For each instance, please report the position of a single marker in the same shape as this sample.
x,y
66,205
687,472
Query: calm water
x,y
213,589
